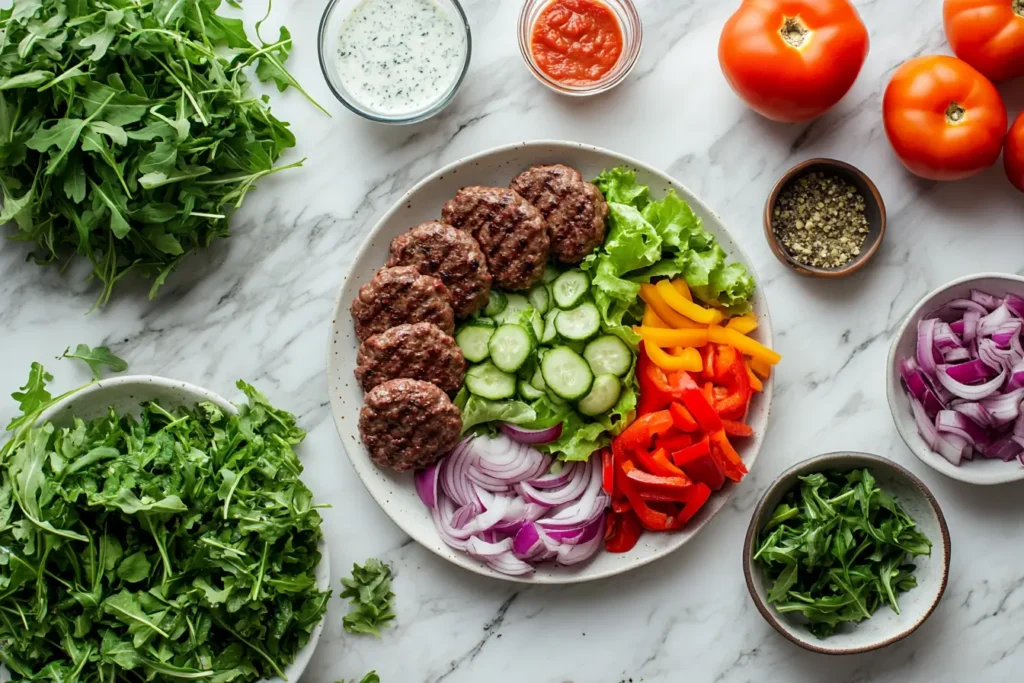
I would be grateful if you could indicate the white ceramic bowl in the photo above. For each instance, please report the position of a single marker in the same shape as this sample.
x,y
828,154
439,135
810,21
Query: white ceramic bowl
x,y
885,627
125,394
395,493
981,470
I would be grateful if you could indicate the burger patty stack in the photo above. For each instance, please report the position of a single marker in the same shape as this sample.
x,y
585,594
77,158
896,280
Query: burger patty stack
x,y
409,364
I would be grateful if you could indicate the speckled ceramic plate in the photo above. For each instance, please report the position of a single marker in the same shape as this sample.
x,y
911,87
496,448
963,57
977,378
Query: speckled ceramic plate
x,y
395,493
885,627
125,394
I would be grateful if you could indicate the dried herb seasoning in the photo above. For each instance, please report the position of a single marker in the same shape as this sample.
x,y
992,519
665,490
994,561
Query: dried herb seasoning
x,y
821,220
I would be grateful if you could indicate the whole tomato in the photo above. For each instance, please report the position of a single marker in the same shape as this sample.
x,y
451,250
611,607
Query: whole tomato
x,y
988,35
793,60
1013,153
944,119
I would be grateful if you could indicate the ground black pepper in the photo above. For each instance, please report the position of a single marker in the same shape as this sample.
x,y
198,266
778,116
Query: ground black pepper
x,y
820,220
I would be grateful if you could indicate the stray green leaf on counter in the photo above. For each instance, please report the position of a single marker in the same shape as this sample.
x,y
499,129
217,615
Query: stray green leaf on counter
x,y
96,359
371,677
369,593
836,549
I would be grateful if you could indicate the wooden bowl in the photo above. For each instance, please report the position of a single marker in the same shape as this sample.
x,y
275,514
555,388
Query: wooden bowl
x,y
874,208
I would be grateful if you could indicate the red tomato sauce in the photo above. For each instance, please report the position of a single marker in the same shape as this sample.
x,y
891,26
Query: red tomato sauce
x,y
576,42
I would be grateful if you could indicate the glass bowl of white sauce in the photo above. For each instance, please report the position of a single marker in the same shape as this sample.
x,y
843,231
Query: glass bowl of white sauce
x,y
394,61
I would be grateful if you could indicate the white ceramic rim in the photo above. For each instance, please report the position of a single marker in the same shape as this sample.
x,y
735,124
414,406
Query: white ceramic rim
x,y
341,308
294,670
904,420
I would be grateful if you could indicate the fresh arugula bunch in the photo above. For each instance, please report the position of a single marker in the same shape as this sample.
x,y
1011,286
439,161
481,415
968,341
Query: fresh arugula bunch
x,y
178,545
369,594
836,549
128,133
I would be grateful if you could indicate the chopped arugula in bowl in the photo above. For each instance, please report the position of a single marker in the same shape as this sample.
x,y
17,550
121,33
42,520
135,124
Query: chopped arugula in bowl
x,y
173,539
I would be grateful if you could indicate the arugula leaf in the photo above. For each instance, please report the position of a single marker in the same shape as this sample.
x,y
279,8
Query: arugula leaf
x,y
369,594
148,100
96,359
33,397
836,548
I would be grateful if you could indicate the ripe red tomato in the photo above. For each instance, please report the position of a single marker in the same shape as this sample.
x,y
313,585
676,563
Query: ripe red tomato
x,y
793,60
944,119
988,35
1013,154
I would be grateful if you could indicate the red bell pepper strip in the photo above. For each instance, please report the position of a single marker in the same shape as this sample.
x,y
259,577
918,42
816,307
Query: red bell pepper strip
x,y
652,483
655,394
661,457
620,504
625,532
733,465
673,441
682,418
734,428
709,392
650,462
708,357
697,450
698,495
737,390
695,402
649,518
639,435
608,471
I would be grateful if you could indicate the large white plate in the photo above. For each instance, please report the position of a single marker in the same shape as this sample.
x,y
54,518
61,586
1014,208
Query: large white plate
x,y
394,492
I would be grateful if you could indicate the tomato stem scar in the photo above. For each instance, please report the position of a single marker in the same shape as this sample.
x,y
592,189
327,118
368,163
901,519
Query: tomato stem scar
x,y
1018,7
955,113
795,33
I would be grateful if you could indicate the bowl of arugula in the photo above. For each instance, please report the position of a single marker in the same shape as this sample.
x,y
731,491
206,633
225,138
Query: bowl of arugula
x,y
180,541
846,553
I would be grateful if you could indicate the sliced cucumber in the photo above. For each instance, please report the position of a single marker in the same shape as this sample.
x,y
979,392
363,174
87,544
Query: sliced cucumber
x,y
487,381
540,299
579,323
472,339
602,397
550,332
496,304
514,305
527,391
481,322
510,346
536,322
537,381
608,355
551,274
566,373
576,346
569,288
556,399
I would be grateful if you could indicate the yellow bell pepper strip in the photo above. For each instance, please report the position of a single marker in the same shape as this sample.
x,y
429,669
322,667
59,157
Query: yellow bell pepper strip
x,y
705,316
651,319
744,324
683,289
693,337
743,344
690,362
653,300
755,381
760,368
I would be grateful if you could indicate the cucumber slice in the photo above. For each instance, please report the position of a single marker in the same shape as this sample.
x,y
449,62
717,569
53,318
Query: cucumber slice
x,y
569,288
540,299
566,373
496,304
550,332
537,381
602,397
556,399
527,391
472,339
551,274
509,347
487,381
608,355
579,323
514,305
481,322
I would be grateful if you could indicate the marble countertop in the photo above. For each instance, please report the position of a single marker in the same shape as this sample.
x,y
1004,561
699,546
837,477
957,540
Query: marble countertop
x,y
258,305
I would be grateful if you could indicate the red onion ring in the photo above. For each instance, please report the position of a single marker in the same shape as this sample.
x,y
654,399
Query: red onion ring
x,y
532,436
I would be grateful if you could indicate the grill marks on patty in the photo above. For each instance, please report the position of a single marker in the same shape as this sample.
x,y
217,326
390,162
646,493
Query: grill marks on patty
x,y
401,295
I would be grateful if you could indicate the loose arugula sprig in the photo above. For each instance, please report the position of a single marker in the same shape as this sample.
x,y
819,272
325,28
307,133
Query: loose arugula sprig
x,y
179,545
369,593
128,133
97,359
836,549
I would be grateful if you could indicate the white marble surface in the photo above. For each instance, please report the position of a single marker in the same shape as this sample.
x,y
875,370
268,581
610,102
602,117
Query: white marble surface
x,y
257,307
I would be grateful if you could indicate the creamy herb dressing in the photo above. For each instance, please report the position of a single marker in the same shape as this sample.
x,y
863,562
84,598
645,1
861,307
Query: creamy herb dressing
x,y
399,56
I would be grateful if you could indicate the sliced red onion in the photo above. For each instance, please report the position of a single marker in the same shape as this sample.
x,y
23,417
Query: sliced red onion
x,y
1003,408
957,355
985,299
945,338
1005,449
952,422
970,333
974,412
1015,304
957,308
957,327
426,485
553,480
1004,334
970,392
532,436
945,445
971,372
991,322
574,554
914,381
556,496
926,345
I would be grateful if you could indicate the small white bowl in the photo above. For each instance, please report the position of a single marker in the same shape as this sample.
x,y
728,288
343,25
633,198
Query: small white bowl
x,y
125,394
981,470
885,627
